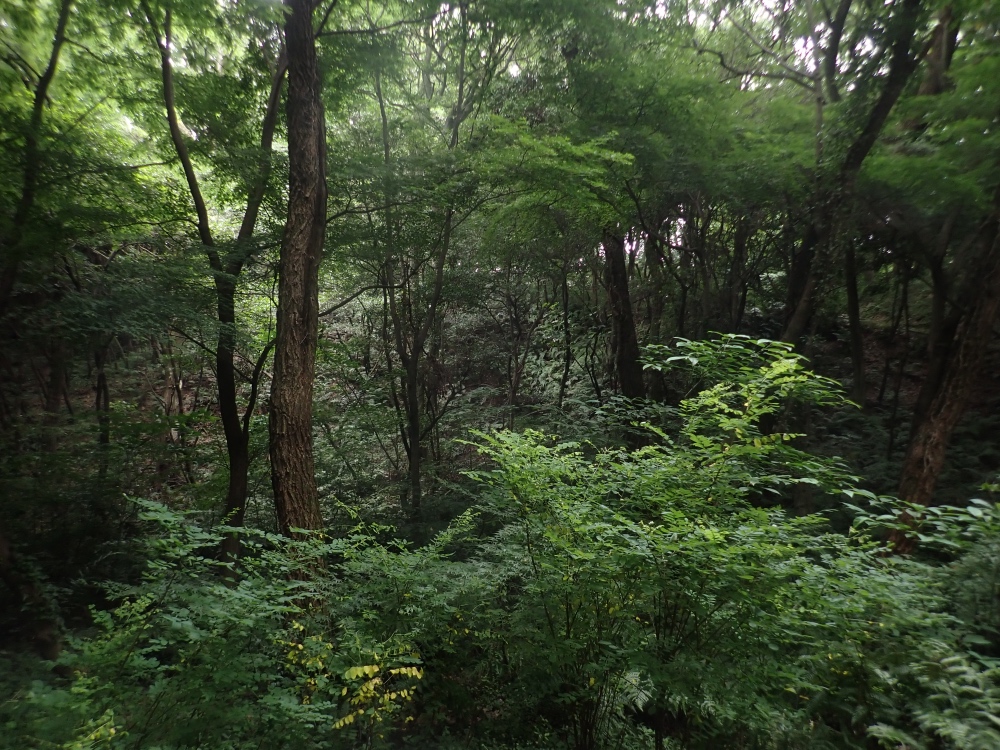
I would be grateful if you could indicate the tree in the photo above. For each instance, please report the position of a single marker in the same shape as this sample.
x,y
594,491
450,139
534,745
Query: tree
x,y
12,237
226,264
957,212
292,468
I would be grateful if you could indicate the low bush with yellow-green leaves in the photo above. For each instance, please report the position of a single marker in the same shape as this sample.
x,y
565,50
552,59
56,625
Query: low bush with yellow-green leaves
x,y
200,655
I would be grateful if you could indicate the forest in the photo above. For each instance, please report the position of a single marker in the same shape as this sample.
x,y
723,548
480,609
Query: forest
x,y
499,374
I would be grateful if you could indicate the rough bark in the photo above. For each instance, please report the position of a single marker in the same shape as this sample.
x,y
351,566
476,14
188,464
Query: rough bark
x,y
292,468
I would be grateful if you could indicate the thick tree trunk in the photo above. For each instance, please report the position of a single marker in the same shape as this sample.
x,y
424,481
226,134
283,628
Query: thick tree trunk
x,y
626,352
292,469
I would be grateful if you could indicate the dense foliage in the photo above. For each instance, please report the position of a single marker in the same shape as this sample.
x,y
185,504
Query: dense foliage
x,y
578,374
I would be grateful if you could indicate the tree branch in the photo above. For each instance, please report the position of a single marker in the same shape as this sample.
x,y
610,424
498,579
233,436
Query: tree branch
x,y
166,71
258,370
347,300
378,29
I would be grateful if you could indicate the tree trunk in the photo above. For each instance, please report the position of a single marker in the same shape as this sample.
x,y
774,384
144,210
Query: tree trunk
x,y
803,277
292,469
237,433
626,352
854,317
973,335
225,274
567,338
237,442
413,432
102,405
37,619
943,43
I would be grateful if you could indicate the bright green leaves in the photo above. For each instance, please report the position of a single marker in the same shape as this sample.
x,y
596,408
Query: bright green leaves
x,y
651,562
654,569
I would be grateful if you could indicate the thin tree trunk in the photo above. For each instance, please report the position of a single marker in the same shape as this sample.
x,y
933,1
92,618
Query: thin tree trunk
x,y
410,357
237,432
102,405
10,246
226,273
973,335
803,278
626,352
567,338
413,433
292,467
854,318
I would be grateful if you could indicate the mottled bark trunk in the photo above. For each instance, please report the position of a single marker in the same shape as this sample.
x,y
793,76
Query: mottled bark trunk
x,y
292,468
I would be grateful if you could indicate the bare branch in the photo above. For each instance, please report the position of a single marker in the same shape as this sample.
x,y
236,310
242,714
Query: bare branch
x,y
379,29
258,370
347,300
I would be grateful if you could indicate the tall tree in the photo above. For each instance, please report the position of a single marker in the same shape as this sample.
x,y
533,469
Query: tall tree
x,y
453,64
841,162
292,466
226,264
